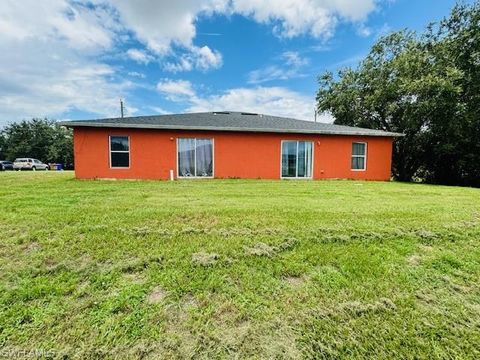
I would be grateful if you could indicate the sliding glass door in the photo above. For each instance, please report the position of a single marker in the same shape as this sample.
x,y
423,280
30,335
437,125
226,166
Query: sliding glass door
x,y
297,159
195,157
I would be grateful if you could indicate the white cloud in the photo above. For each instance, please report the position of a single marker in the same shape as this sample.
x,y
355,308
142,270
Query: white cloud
x,y
42,84
293,58
270,73
202,58
267,100
136,74
206,58
291,64
175,89
159,110
167,29
84,88
78,26
49,69
364,31
159,24
139,56
182,64
296,17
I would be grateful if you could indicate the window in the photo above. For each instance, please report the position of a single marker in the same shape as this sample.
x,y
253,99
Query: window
x,y
297,159
195,157
359,156
119,151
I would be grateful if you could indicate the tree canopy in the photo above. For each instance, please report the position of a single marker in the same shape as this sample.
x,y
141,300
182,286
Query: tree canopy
x,y
41,139
426,86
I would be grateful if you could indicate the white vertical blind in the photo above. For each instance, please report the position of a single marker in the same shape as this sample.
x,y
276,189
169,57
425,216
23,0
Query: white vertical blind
x,y
195,157
297,159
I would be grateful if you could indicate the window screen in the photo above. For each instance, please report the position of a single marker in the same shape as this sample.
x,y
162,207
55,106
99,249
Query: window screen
x,y
119,152
359,156
297,159
195,157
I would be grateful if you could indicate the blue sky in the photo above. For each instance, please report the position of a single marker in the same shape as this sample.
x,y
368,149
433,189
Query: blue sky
x,y
75,59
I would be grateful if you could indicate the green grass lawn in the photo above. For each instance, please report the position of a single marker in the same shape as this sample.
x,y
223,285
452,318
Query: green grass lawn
x,y
238,268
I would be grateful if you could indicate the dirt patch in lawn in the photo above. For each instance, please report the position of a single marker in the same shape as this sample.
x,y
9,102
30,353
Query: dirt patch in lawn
x,y
414,260
32,247
262,249
204,259
426,235
295,281
157,295
189,301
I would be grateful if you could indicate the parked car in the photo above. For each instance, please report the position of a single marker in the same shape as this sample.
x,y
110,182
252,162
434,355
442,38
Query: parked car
x,y
29,164
6,165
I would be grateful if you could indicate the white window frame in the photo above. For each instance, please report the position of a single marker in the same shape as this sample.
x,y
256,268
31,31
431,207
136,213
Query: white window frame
x,y
296,168
195,159
118,151
359,156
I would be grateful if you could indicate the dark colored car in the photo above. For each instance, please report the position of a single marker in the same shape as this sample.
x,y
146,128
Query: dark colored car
x,y
6,165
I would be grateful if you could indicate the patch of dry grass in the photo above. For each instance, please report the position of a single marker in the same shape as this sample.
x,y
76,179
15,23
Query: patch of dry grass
x,y
157,295
204,259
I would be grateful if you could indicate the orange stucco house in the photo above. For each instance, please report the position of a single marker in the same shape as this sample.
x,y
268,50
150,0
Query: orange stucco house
x,y
228,145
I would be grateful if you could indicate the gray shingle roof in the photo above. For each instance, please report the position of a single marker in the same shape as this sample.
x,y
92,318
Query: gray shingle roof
x,y
228,121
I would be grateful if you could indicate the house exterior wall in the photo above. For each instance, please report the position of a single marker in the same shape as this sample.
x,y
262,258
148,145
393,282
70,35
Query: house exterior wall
x,y
153,153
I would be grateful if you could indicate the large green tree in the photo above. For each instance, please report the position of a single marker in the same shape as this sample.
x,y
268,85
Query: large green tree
x,y
42,139
425,86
